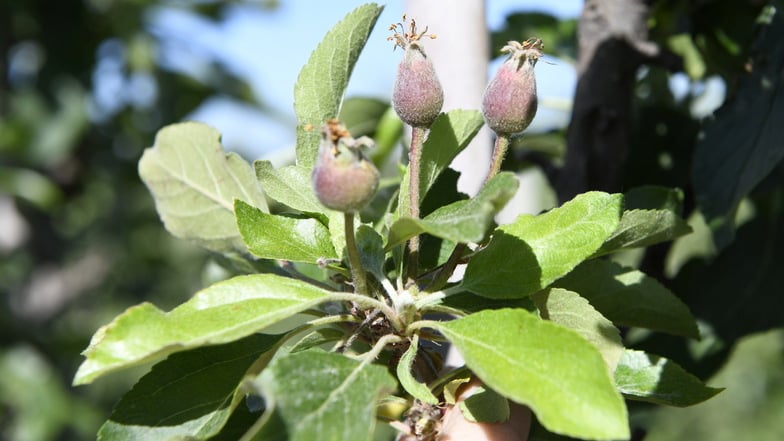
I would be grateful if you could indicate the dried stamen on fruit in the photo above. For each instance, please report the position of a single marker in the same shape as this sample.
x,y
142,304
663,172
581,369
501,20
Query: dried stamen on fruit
x,y
404,38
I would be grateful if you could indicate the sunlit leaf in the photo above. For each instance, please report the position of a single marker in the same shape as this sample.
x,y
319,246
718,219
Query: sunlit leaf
x,y
224,312
462,221
291,186
415,388
547,367
271,236
318,92
194,184
533,251
655,379
642,228
325,396
568,309
190,394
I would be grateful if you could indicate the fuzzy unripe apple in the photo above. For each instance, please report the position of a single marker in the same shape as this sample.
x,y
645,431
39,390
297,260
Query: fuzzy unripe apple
x,y
344,179
509,103
417,96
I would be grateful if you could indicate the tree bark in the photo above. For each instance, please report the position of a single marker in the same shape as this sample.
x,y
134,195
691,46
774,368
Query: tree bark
x,y
613,44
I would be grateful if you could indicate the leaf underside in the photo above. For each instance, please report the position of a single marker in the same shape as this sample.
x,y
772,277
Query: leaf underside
x,y
194,184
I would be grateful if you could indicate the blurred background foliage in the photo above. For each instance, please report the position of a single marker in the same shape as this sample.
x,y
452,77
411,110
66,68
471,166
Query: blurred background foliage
x,y
80,240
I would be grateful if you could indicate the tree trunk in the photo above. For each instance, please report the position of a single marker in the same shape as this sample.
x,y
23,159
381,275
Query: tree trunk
x,y
613,44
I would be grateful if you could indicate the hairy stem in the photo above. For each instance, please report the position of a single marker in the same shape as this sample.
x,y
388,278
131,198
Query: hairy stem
x,y
369,302
414,166
370,356
499,151
357,272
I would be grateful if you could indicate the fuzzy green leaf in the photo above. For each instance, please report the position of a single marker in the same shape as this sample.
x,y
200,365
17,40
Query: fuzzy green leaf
x,y
547,367
449,135
322,81
224,312
190,394
291,186
630,298
655,379
462,221
568,309
532,252
194,184
325,396
371,250
642,228
410,384
485,406
278,237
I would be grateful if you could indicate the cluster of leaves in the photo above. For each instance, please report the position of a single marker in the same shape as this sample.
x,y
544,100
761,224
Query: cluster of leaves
x,y
287,351
729,166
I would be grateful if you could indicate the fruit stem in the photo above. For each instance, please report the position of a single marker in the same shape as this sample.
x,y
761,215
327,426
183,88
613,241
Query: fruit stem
x,y
499,151
414,165
357,272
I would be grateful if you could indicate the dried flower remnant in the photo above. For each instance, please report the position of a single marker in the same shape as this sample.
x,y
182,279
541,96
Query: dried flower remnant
x,y
417,96
343,178
509,104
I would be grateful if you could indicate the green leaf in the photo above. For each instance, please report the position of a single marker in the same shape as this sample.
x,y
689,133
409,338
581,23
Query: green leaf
x,y
750,408
325,396
322,81
642,228
224,312
194,184
190,394
278,237
655,379
371,250
742,145
570,310
291,186
654,197
628,297
317,338
462,221
449,135
532,252
549,368
485,406
416,389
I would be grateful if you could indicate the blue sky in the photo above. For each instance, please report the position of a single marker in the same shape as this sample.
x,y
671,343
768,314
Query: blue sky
x,y
268,48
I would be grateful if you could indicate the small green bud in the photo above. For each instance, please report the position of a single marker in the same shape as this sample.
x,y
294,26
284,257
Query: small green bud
x,y
509,104
417,96
343,178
